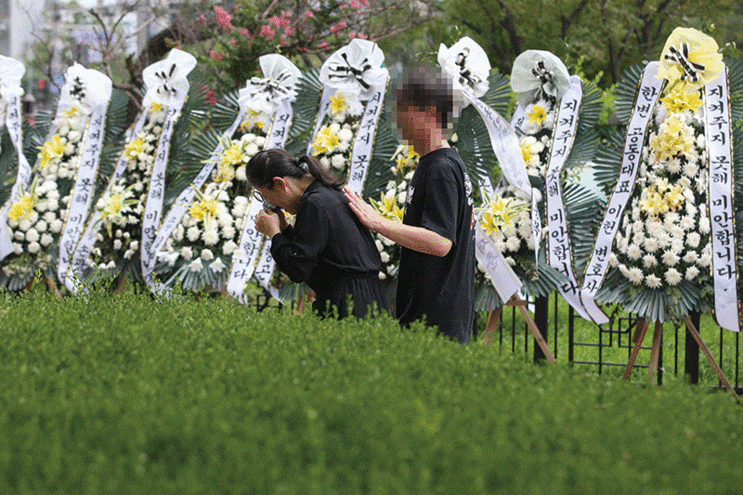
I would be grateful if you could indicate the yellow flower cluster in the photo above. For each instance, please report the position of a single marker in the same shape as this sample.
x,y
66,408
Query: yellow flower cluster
x,y
23,208
661,198
537,114
500,214
231,157
51,151
388,208
678,100
406,159
674,139
134,148
205,209
326,141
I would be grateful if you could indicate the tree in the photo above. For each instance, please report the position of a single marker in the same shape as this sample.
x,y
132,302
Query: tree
x,y
605,35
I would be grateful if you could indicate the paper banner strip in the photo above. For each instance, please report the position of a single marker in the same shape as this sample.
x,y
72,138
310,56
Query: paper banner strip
x,y
647,96
722,215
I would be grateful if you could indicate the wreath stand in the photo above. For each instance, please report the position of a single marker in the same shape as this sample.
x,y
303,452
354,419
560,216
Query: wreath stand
x,y
639,336
494,316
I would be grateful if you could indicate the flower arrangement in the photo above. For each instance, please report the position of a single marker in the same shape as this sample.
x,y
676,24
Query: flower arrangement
x,y
121,207
333,142
200,248
36,218
664,237
391,205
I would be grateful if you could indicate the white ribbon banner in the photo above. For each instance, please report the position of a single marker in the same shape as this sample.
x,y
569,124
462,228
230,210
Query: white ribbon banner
x,y
558,241
505,281
722,215
506,147
251,241
83,189
647,96
364,143
156,191
23,177
88,239
181,205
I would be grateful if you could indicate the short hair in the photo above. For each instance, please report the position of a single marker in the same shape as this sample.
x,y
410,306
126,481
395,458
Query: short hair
x,y
425,87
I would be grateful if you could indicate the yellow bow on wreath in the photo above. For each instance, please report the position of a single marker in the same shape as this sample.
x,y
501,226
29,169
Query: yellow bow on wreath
x,y
690,58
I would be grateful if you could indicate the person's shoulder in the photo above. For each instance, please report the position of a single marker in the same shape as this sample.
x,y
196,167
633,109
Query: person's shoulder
x,y
443,161
322,196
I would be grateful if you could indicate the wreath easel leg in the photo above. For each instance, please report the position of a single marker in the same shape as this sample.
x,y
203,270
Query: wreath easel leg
x,y
693,331
493,320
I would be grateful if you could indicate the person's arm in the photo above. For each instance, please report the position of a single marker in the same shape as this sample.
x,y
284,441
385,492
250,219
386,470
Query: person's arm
x,y
415,238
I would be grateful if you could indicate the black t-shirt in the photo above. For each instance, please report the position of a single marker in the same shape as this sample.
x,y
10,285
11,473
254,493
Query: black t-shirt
x,y
442,289
330,249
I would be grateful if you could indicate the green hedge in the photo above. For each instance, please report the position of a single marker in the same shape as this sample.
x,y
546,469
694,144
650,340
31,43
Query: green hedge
x,y
126,395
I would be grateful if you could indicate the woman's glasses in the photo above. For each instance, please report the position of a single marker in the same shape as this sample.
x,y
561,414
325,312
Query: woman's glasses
x,y
258,196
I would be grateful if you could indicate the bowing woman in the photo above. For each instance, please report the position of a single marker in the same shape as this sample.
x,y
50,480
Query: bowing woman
x,y
328,247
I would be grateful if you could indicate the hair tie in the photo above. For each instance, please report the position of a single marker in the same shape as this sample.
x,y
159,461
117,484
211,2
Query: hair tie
x,y
301,164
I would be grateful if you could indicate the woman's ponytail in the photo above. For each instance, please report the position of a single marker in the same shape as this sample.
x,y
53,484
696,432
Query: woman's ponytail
x,y
319,172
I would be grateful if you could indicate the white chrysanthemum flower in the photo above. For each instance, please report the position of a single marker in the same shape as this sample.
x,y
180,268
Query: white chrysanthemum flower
x,y
210,237
134,245
49,217
634,252
34,247
17,248
380,246
693,239
345,134
635,275
193,233
19,236
652,281
385,257
691,257
387,242
382,276
670,258
228,232
692,272
650,244
24,224
704,225
672,276
649,261
241,175
128,254
117,244
338,161
187,253
46,239
228,248
207,255
325,162
613,260
677,245
513,243
704,260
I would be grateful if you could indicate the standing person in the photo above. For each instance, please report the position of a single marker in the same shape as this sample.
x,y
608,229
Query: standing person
x,y
327,247
436,279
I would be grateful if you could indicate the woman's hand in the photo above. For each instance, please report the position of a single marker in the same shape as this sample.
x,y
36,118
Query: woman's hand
x,y
268,223
366,213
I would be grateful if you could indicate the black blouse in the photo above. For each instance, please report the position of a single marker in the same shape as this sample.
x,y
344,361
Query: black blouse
x,y
332,251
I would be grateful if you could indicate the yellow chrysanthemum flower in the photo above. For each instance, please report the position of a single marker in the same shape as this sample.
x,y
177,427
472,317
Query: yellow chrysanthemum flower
x,y
661,198
678,100
337,104
690,59
157,107
526,152
51,151
233,155
204,209
537,114
134,148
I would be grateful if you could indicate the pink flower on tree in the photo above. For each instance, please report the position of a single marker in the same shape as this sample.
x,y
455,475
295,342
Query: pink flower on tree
x,y
336,28
202,19
224,19
308,14
233,42
324,45
267,32
355,4
365,3
245,32
215,55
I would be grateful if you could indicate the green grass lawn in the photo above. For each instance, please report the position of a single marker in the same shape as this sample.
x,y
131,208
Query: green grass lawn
x,y
126,395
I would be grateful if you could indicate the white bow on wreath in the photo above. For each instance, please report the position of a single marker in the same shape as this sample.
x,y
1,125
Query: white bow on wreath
x,y
538,74
166,80
468,66
11,73
264,94
356,69
85,89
